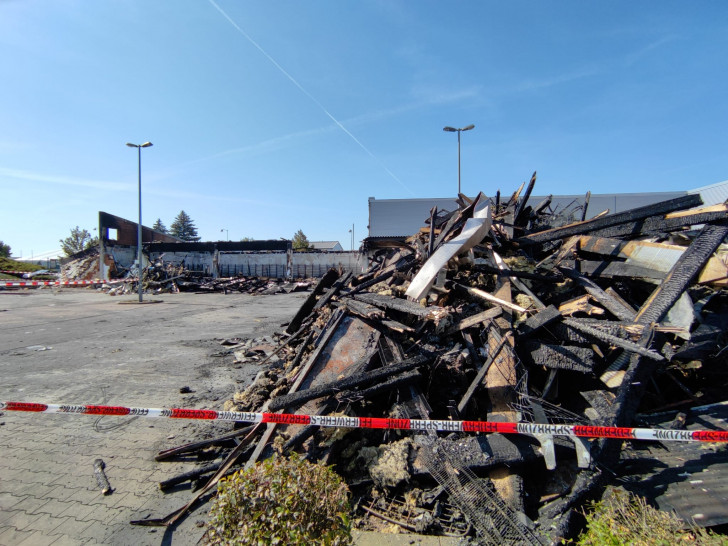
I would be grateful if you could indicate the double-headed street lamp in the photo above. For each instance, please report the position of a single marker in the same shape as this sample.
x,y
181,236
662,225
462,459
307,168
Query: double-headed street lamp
x,y
139,226
458,131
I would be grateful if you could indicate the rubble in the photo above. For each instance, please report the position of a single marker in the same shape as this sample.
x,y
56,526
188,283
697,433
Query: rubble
x,y
160,278
498,311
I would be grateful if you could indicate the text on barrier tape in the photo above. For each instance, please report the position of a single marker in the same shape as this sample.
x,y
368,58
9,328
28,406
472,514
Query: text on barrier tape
x,y
382,423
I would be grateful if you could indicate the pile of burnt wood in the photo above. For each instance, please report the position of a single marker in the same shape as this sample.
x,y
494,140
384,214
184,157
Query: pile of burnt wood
x,y
498,311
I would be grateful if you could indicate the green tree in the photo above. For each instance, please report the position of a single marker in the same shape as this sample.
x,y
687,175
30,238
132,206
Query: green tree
x,y
79,240
159,226
4,250
300,242
246,239
184,228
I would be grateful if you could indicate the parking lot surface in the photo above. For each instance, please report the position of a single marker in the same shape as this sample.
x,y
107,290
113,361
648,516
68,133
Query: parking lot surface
x,y
79,346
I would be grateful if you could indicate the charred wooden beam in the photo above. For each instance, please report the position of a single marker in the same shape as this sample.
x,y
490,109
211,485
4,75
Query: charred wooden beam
x,y
395,304
682,273
612,340
520,218
665,223
611,304
431,242
168,484
518,274
196,446
633,215
363,310
586,205
539,208
326,281
478,379
298,398
331,292
474,320
391,383
560,357
539,320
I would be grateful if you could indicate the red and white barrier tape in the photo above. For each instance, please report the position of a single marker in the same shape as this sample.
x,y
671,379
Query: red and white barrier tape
x,y
11,272
383,423
62,283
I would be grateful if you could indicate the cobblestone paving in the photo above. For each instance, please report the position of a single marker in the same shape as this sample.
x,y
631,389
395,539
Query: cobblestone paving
x,y
83,347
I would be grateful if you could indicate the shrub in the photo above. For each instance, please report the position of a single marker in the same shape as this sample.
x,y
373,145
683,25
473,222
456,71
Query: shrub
x,y
622,518
281,501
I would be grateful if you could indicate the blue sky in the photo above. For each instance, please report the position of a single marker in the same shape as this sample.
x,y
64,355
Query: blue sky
x,y
269,117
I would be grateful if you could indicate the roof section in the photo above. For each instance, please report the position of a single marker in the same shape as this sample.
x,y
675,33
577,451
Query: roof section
x,y
404,217
713,194
326,245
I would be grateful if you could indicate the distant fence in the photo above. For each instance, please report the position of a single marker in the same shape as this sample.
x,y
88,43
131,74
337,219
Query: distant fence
x,y
276,270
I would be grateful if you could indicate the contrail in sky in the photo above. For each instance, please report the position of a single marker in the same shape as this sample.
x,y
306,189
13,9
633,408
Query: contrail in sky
x,y
309,95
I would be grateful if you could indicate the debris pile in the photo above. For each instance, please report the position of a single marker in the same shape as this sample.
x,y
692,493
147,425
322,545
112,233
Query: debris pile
x,y
498,311
161,277
84,266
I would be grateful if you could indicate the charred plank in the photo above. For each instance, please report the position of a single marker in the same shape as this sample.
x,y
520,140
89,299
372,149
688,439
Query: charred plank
x,y
633,215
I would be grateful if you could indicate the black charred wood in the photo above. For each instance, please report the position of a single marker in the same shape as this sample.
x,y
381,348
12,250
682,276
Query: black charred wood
x,y
518,274
612,304
188,476
300,397
682,273
633,215
659,224
598,335
395,304
539,320
326,281
333,291
560,357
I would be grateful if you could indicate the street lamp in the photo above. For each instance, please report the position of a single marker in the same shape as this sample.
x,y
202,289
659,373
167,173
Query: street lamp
x,y
352,236
227,234
458,131
139,226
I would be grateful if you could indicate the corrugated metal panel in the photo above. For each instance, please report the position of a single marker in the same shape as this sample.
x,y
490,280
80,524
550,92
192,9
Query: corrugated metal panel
x,y
713,194
404,217
689,478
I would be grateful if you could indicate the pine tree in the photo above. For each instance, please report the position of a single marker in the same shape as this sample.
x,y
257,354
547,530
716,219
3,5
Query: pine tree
x,y
300,242
159,226
184,228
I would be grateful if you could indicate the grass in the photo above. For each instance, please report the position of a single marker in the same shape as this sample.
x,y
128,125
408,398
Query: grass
x,y
11,265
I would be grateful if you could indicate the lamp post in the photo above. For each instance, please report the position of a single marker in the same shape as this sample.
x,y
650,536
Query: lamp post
x,y
453,130
227,234
139,225
352,236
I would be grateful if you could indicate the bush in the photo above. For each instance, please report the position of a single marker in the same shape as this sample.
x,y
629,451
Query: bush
x,y
622,518
281,501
